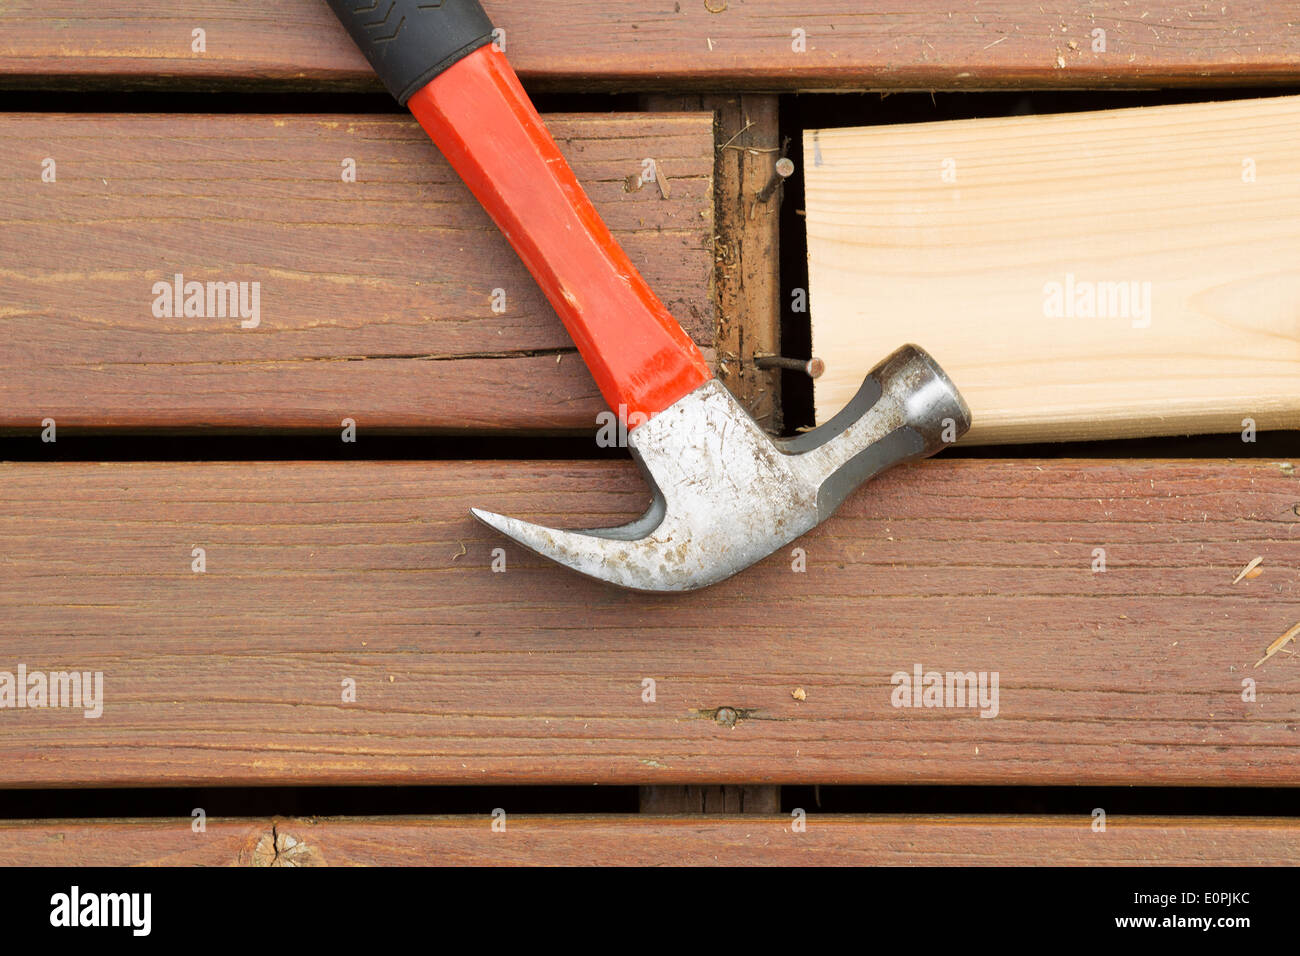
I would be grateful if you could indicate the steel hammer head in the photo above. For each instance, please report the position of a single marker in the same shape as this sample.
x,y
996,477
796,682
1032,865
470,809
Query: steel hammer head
x,y
726,494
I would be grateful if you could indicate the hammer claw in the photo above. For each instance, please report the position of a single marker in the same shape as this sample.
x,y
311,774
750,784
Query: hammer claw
x,y
727,495
606,554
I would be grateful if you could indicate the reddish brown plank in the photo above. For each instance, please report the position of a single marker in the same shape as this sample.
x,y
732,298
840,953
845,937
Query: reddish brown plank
x,y
616,840
693,43
377,298
320,573
131,842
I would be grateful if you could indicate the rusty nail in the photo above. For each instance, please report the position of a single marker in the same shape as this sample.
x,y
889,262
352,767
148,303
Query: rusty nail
x,y
813,367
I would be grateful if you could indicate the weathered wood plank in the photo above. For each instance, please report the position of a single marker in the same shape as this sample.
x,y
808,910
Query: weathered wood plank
x,y
318,574
146,842
920,45
377,298
1113,274
618,840
748,243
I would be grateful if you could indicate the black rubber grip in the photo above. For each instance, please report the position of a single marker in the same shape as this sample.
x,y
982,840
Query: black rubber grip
x,y
409,42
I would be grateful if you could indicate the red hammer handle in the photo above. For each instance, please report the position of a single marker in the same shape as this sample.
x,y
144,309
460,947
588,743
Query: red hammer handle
x,y
479,116
477,113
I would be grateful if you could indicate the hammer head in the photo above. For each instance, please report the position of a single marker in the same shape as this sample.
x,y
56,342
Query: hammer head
x,y
726,494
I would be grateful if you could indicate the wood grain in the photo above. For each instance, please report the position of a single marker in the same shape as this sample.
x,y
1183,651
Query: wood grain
x,y
719,44
376,297
1097,275
617,840
375,573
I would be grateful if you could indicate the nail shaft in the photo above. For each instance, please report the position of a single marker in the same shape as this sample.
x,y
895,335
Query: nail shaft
x,y
813,367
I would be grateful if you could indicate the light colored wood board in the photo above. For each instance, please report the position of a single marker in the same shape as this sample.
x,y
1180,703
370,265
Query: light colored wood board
x,y
924,44
374,572
377,298
966,268
629,840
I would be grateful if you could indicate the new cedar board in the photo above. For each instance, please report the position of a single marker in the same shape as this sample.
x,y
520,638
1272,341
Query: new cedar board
x,y
1108,274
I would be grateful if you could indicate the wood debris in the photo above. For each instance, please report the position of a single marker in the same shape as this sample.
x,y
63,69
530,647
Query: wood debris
x,y
1280,643
799,694
662,179
1249,570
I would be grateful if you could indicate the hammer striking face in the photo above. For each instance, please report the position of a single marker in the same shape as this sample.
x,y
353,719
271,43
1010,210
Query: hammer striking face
x,y
725,493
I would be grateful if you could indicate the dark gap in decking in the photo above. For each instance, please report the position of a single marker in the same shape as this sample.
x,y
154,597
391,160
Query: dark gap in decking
x,y
1268,445
273,446
796,327
175,802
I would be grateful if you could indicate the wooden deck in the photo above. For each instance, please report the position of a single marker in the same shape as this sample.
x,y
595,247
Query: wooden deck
x,y
392,302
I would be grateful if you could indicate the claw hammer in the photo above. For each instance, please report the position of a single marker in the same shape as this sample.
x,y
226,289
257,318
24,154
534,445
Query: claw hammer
x,y
724,493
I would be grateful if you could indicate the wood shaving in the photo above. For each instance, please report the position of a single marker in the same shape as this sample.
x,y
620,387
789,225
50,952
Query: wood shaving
x,y
662,179
1246,571
1280,643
